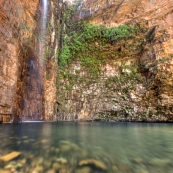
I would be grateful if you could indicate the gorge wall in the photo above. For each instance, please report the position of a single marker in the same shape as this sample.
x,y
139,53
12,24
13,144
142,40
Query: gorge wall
x,y
24,94
12,15
127,77
135,80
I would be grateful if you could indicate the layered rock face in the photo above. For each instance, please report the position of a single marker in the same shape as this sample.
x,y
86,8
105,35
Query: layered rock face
x,y
117,93
23,91
135,81
8,65
16,26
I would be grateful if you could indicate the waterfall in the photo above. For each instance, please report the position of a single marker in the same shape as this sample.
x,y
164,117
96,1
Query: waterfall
x,y
43,31
79,9
44,18
45,5
33,98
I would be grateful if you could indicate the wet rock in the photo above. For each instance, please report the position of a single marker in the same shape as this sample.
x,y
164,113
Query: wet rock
x,y
160,162
85,169
26,141
80,153
23,161
64,142
66,146
10,156
84,152
9,166
12,163
44,141
1,164
56,166
47,164
138,160
141,170
38,169
62,160
18,142
124,167
34,171
33,163
52,148
63,170
92,162
51,171
30,156
4,171
19,165
25,137
57,150
13,169
40,161
115,169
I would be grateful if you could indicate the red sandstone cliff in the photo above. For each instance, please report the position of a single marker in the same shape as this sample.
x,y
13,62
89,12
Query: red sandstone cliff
x,y
18,28
152,99
19,25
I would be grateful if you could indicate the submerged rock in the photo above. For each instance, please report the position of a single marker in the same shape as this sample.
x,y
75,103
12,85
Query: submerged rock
x,y
56,166
51,171
26,141
12,162
23,161
9,166
47,164
19,165
138,160
160,162
10,156
92,162
66,146
142,170
57,150
63,170
4,171
24,137
125,168
40,161
115,169
62,160
38,169
85,169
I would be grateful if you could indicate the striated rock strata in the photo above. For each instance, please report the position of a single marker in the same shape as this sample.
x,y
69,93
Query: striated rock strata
x,y
117,94
23,83
135,81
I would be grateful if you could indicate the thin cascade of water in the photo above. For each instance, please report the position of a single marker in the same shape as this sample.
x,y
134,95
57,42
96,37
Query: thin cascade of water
x,y
44,18
33,104
79,9
43,31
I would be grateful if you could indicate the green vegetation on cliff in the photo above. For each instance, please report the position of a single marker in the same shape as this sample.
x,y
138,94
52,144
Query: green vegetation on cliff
x,y
81,41
86,43
119,71
91,47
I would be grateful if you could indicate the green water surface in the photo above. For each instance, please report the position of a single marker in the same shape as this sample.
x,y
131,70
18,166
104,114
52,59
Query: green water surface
x,y
117,147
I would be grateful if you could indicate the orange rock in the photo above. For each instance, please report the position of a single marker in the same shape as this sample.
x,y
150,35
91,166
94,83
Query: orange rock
x,y
4,171
10,156
93,162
